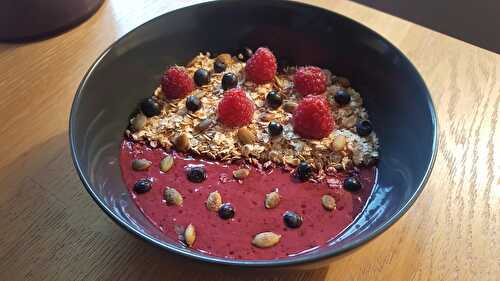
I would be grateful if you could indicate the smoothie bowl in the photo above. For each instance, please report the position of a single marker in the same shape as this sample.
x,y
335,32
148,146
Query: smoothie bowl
x,y
278,135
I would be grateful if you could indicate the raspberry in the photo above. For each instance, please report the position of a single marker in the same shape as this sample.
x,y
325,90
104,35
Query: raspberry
x,y
261,67
309,80
235,109
312,119
176,83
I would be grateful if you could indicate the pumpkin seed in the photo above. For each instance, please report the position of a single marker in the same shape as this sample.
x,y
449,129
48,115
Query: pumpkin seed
x,y
266,239
214,201
241,173
190,235
246,136
166,163
272,200
225,58
139,121
291,161
339,143
172,197
182,142
289,106
328,202
140,164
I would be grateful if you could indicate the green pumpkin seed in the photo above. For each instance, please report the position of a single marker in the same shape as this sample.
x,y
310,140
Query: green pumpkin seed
x,y
172,197
339,143
214,201
140,164
166,163
190,235
272,200
266,239
246,136
241,173
328,202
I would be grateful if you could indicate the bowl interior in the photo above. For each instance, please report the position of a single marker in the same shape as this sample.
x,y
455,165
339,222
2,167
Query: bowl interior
x,y
395,96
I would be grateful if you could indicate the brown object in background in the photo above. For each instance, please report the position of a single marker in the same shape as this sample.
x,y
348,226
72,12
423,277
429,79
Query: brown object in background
x,y
32,19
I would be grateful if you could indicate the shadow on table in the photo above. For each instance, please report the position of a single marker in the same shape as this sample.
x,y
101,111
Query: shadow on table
x,y
52,230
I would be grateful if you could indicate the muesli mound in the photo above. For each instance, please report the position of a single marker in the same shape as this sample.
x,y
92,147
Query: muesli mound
x,y
285,126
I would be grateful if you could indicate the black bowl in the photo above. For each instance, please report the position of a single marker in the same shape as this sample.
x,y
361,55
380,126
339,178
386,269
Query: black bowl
x,y
395,96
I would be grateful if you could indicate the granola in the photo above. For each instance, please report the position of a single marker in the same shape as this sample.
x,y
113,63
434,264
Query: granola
x,y
200,134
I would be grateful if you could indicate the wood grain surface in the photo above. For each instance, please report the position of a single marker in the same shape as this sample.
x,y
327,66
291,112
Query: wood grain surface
x,y
50,229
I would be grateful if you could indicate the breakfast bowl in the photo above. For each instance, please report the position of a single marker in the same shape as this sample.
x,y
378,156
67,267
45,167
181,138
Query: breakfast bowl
x,y
393,93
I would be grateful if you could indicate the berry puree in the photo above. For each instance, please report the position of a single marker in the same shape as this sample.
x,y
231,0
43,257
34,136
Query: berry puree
x,y
232,237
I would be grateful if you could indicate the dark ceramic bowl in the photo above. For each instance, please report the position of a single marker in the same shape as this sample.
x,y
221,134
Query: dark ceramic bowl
x,y
395,96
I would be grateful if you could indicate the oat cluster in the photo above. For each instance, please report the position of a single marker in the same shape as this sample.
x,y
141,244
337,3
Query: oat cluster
x,y
200,134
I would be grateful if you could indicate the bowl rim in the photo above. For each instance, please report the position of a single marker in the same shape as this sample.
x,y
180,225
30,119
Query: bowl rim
x,y
285,262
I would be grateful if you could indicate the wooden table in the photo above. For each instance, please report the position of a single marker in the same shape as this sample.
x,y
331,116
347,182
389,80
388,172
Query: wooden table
x,y
50,229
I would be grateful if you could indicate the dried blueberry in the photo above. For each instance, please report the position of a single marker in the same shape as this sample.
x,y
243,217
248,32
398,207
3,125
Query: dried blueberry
x,y
196,174
245,53
149,107
352,184
292,219
342,97
142,186
275,128
364,128
219,66
274,100
229,80
226,211
193,103
201,77
304,171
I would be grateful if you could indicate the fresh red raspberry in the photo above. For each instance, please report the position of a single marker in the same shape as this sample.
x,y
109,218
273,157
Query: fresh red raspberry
x,y
313,119
309,80
176,83
261,67
235,109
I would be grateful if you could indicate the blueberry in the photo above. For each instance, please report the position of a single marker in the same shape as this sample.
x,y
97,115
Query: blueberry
x,y
275,128
229,80
342,97
149,107
219,66
196,174
364,128
352,184
201,77
274,100
142,186
245,54
193,103
304,171
226,211
292,219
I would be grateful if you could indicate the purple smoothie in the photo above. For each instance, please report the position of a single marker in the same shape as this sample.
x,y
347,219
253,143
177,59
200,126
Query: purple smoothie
x,y
232,238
